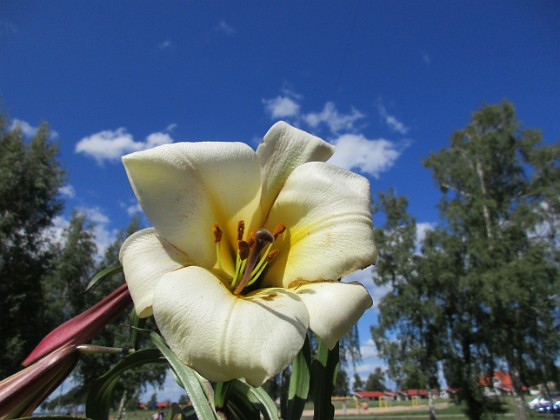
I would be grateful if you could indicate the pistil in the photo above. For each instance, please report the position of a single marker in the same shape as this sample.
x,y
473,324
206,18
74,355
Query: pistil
x,y
263,238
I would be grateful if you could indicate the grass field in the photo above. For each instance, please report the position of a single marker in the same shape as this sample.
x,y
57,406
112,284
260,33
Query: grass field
x,y
398,410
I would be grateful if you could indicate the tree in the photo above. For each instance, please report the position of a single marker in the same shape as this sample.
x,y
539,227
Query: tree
x,y
358,383
410,308
30,177
341,387
74,265
375,380
119,334
481,290
495,178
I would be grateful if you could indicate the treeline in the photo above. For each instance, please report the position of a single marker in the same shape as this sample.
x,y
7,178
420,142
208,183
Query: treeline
x,y
480,292
43,274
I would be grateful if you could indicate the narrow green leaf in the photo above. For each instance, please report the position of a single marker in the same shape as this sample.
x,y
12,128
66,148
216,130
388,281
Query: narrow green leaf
x,y
299,382
245,402
323,370
188,379
106,272
99,399
221,391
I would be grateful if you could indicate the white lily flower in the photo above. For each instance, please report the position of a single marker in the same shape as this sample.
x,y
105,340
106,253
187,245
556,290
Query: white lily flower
x,y
247,249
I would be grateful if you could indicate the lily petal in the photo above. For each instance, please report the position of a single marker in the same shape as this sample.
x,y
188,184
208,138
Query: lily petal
x,y
187,188
327,211
223,336
282,150
334,308
145,259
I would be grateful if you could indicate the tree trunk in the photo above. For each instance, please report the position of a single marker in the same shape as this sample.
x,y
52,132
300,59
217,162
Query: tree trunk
x,y
431,406
521,408
121,410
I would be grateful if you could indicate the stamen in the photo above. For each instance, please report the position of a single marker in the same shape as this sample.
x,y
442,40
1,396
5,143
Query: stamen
x,y
244,250
217,238
272,254
262,238
217,233
278,230
240,230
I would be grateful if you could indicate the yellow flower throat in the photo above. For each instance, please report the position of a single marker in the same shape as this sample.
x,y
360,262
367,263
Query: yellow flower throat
x,y
252,256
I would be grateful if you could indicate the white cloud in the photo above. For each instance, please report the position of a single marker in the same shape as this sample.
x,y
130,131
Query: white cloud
x,y
392,121
164,45
421,230
371,157
28,130
110,145
334,120
426,58
134,209
170,127
281,107
225,28
104,235
67,191
55,232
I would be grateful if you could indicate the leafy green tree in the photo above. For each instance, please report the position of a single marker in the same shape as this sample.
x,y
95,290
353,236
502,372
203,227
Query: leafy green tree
x,y
358,383
30,177
119,334
375,380
65,283
481,290
341,387
410,308
496,178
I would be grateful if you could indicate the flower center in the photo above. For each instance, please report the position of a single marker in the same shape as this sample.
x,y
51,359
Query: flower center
x,y
252,256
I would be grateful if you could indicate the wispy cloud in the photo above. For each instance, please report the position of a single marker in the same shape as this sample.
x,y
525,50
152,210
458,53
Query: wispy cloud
x,y
426,58
104,234
281,107
170,128
392,121
421,229
368,156
225,28
110,145
333,119
28,130
67,191
164,45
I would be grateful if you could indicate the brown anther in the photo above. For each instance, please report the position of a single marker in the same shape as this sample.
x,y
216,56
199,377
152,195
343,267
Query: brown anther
x,y
240,230
252,239
272,254
278,230
217,233
244,250
262,238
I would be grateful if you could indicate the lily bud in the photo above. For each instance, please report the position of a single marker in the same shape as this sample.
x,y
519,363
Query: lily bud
x,y
25,390
83,327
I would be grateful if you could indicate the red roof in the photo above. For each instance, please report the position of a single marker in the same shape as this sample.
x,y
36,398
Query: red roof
x,y
369,394
500,380
417,392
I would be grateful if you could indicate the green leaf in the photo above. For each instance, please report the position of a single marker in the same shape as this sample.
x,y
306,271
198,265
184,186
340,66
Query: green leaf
x,y
106,272
189,380
245,402
323,370
99,399
299,382
221,393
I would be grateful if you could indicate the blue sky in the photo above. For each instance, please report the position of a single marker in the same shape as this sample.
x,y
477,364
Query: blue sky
x,y
387,82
